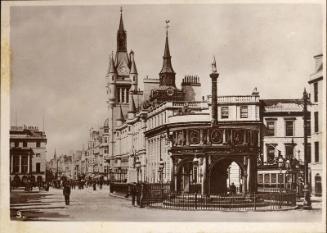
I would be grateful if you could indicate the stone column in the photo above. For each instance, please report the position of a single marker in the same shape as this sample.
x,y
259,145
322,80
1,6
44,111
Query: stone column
x,y
249,176
214,105
28,163
176,174
187,137
224,136
172,175
20,164
204,174
11,164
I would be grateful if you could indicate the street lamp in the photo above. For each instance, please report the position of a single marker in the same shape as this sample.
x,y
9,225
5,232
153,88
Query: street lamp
x,y
280,163
306,200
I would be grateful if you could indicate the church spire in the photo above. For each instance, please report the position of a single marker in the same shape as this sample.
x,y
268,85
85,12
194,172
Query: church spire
x,y
121,23
121,35
167,73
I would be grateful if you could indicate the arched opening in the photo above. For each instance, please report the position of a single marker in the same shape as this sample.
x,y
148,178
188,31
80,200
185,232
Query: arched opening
x,y
24,180
225,177
33,179
185,177
318,185
39,179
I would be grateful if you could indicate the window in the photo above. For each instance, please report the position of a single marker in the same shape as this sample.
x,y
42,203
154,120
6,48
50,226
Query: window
x,y
309,152
289,128
244,111
24,144
118,95
224,112
38,167
270,153
270,128
16,144
260,178
266,179
316,152
308,127
289,150
315,92
122,95
280,178
316,121
24,164
37,155
16,164
38,144
273,178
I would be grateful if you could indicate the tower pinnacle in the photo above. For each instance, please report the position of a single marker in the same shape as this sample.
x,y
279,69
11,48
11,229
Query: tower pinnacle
x,y
167,73
121,35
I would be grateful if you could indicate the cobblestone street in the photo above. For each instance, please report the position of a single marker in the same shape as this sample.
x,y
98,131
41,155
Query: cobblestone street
x,y
89,205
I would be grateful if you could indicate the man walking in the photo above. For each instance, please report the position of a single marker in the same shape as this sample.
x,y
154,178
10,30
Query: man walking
x,y
66,192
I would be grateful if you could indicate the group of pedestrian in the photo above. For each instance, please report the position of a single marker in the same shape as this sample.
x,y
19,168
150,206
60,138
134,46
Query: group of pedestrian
x,y
136,190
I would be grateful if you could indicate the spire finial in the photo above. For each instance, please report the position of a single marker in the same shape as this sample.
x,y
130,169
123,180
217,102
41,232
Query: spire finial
x,y
121,10
167,26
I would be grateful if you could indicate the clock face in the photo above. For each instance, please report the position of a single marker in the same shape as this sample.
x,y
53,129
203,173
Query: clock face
x,y
123,70
170,91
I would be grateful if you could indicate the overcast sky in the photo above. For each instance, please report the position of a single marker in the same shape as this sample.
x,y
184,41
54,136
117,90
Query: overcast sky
x,y
60,56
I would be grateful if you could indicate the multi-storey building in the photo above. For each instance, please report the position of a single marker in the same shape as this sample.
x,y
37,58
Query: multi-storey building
x,y
317,127
282,143
27,154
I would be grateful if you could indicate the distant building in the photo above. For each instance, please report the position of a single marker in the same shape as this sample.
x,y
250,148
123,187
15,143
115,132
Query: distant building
x,y
317,126
27,154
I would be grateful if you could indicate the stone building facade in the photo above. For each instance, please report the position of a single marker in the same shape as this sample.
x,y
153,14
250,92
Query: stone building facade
x,y
317,127
27,154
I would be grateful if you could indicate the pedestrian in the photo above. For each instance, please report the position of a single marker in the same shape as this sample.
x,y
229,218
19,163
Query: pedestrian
x,y
94,186
133,193
66,192
233,188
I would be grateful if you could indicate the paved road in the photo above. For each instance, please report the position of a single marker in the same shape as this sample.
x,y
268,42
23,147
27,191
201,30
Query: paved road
x,y
89,205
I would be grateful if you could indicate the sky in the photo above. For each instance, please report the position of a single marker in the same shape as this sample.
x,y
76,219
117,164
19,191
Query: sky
x,y
60,56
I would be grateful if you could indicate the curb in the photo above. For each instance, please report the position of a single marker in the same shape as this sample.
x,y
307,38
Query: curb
x,y
119,196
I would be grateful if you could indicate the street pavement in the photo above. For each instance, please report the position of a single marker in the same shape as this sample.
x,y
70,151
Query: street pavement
x,y
89,205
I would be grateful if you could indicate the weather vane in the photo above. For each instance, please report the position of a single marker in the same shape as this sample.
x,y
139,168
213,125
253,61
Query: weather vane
x,y
167,26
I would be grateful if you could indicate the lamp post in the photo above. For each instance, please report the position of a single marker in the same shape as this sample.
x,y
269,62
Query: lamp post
x,y
306,200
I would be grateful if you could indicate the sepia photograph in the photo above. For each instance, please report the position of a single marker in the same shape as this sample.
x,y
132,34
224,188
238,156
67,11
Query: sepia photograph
x,y
169,113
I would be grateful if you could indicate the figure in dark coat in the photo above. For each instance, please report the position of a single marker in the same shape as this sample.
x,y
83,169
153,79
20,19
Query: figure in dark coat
x,y
66,192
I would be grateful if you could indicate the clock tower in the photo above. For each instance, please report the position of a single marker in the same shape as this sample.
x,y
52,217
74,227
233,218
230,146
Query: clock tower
x,y
122,83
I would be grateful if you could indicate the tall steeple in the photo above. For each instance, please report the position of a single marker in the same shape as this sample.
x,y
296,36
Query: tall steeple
x,y
167,73
121,35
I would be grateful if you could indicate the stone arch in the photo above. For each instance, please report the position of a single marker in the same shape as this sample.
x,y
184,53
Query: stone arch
x,y
217,174
183,177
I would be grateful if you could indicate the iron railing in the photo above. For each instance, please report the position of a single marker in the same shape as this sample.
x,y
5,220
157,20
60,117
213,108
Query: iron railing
x,y
254,202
